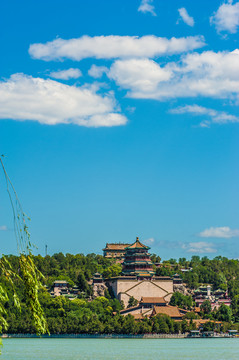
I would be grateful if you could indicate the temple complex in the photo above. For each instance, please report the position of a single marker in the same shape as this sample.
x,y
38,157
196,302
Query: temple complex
x,y
138,277
216,297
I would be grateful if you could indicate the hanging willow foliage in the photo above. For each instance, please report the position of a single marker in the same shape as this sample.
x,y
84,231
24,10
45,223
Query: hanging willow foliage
x,y
28,272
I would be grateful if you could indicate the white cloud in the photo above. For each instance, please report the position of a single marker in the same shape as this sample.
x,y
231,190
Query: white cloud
x,y
3,228
226,18
140,75
209,74
219,232
200,247
97,71
219,117
189,20
147,7
50,102
149,241
66,74
110,47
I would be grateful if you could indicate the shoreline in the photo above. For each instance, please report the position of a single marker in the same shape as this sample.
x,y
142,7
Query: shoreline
x,y
112,336
96,336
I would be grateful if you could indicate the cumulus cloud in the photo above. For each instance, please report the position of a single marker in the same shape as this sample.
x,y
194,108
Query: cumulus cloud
x,y
208,74
146,6
189,20
50,102
66,74
140,75
219,117
97,71
226,18
219,232
200,247
3,228
110,47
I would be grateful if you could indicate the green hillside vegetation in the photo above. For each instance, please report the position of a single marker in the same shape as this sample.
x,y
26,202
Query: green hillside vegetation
x,y
101,315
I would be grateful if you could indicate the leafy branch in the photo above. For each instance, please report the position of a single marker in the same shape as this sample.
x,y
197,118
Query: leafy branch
x,y
28,272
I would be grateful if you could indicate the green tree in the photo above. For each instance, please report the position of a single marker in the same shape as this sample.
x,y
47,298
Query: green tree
x,y
163,326
182,261
184,326
132,302
209,326
180,300
82,283
155,258
224,313
192,279
112,271
206,307
195,260
129,326
235,307
191,315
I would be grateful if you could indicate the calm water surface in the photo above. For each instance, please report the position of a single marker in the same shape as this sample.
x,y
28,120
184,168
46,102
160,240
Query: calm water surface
x,y
120,349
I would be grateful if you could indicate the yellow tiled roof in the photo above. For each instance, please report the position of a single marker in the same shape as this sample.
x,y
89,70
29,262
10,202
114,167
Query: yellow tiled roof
x,y
171,311
137,245
116,246
153,300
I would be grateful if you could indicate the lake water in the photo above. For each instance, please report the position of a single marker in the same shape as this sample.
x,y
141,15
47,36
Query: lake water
x,y
120,349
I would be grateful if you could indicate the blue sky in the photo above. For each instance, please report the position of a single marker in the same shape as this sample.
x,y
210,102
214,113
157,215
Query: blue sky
x,y
120,119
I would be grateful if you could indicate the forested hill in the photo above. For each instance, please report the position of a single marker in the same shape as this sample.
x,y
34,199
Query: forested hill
x,y
78,270
102,314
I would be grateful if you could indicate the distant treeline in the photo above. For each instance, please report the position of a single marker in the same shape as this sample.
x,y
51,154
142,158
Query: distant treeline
x,y
102,314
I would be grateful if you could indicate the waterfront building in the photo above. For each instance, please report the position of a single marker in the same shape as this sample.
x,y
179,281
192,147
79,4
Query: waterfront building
x,y
199,323
232,333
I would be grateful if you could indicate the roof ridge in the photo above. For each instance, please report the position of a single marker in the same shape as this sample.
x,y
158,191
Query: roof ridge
x,y
137,242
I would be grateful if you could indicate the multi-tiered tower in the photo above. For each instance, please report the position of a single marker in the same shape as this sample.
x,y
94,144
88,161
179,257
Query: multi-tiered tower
x,y
137,261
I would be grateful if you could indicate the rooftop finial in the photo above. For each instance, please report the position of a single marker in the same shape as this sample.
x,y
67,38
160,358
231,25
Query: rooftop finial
x,y
137,239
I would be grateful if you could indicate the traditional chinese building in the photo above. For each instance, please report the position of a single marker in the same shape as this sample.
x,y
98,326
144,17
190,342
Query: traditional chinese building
x,y
172,311
99,286
151,306
216,297
138,278
137,261
62,288
115,250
